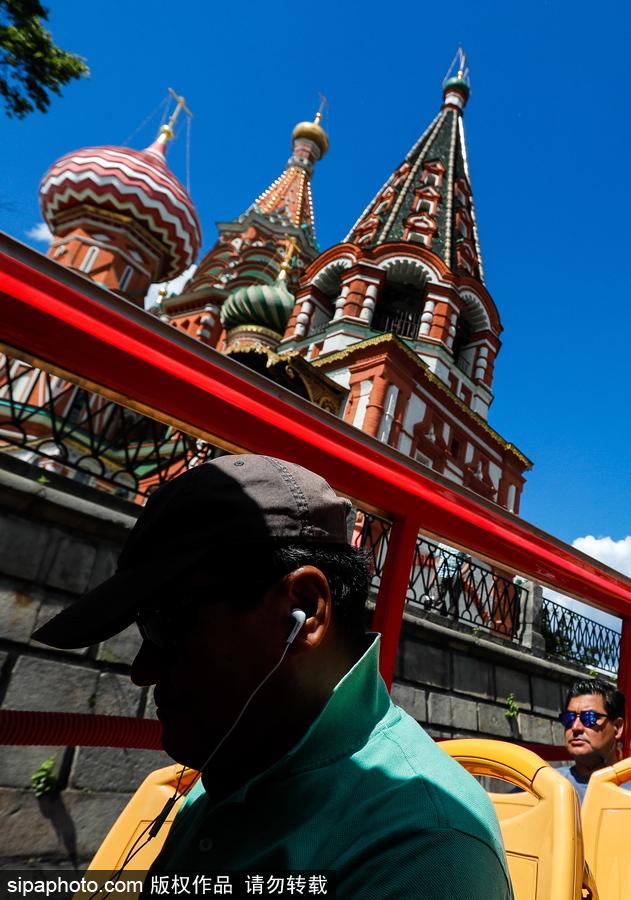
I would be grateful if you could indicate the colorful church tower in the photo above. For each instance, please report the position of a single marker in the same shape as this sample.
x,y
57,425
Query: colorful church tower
x,y
400,316
120,216
251,254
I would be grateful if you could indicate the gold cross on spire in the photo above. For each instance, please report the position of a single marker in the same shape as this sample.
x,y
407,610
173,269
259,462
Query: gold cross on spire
x,y
323,103
292,250
458,68
462,63
167,131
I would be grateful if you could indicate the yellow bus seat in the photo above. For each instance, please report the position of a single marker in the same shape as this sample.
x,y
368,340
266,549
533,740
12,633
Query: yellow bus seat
x,y
148,801
541,828
606,815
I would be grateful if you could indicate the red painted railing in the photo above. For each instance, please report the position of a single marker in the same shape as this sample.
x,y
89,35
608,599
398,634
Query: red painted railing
x,y
63,323
23,728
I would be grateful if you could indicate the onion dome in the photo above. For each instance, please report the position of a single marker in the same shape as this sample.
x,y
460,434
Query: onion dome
x,y
456,92
135,185
312,131
457,83
264,305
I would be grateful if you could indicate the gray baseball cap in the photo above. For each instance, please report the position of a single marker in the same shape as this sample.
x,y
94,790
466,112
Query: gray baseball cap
x,y
232,501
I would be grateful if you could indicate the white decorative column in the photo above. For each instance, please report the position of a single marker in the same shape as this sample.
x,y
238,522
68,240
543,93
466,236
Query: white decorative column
x,y
451,331
303,319
368,306
427,318
340,303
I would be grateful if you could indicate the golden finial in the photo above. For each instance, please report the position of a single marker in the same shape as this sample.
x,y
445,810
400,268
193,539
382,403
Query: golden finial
x,y
313,131
291,251
162,295
167,131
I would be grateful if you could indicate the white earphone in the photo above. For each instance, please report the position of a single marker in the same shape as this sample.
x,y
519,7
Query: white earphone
x,y
299,617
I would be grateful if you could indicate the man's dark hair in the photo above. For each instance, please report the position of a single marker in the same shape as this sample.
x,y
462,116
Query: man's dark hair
x,y
346,568
613,699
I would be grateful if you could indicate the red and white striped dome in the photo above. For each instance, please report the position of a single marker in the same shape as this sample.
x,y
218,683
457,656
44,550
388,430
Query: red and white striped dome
x,y
134,183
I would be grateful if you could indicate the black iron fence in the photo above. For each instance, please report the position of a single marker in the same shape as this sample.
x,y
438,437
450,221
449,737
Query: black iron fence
x,y
50,423
402,322
447,582
463,364
372,533
572,636
452,584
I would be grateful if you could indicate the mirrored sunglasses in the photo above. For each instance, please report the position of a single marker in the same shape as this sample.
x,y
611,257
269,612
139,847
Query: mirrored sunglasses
x,y
588,718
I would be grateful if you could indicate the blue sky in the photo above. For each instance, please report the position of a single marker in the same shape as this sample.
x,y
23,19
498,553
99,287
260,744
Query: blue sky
x,y
548,135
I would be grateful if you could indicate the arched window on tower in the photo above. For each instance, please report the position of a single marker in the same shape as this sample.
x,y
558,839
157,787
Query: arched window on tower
x,y
464,330
399,309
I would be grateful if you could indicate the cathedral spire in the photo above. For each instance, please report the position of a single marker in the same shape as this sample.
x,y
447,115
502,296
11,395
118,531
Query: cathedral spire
x,y
427,200
290,195
250,249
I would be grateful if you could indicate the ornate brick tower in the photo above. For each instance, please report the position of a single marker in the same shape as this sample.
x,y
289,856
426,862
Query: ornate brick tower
x,y
249,252
120,216
400,316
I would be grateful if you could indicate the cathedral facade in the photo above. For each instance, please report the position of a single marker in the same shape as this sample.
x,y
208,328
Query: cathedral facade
x,y
392,329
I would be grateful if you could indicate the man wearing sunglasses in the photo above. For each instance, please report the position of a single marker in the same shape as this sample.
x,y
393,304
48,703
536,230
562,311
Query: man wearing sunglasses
x,y
593,722
251,603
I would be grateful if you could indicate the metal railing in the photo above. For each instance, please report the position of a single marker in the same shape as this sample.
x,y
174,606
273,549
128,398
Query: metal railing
x,y
452,584
59,427
405,324
372,533
572,636
448,582
463,364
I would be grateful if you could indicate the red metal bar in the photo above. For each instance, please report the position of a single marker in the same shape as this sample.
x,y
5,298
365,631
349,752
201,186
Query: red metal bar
x,y
392,592
624,681
25,728
58,729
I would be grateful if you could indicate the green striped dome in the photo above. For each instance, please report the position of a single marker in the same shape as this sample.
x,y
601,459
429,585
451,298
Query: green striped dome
x,y
268,305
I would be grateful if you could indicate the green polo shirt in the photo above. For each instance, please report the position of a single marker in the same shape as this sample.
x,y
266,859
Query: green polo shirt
x,y
366,793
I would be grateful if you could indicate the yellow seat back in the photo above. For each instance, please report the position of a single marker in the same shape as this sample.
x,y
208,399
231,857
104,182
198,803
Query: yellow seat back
x,y
148,801
541,828
606,815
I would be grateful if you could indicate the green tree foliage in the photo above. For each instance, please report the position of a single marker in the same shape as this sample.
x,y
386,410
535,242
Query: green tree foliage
x,y
31,66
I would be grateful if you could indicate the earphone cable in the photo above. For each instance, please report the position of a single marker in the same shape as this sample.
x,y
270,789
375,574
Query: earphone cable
x,y
162,815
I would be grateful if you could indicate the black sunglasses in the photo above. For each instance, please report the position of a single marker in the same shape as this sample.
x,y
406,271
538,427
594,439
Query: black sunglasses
x,y
156,628
588,717
159,626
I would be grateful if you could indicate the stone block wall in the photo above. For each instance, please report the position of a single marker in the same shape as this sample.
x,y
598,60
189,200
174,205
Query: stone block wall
x,y
458,683
58,539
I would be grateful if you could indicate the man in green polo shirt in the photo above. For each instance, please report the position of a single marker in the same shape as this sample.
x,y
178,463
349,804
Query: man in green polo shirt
x,y
250,602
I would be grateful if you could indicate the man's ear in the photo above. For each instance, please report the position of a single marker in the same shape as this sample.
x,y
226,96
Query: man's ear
x,y
307,588
618,724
